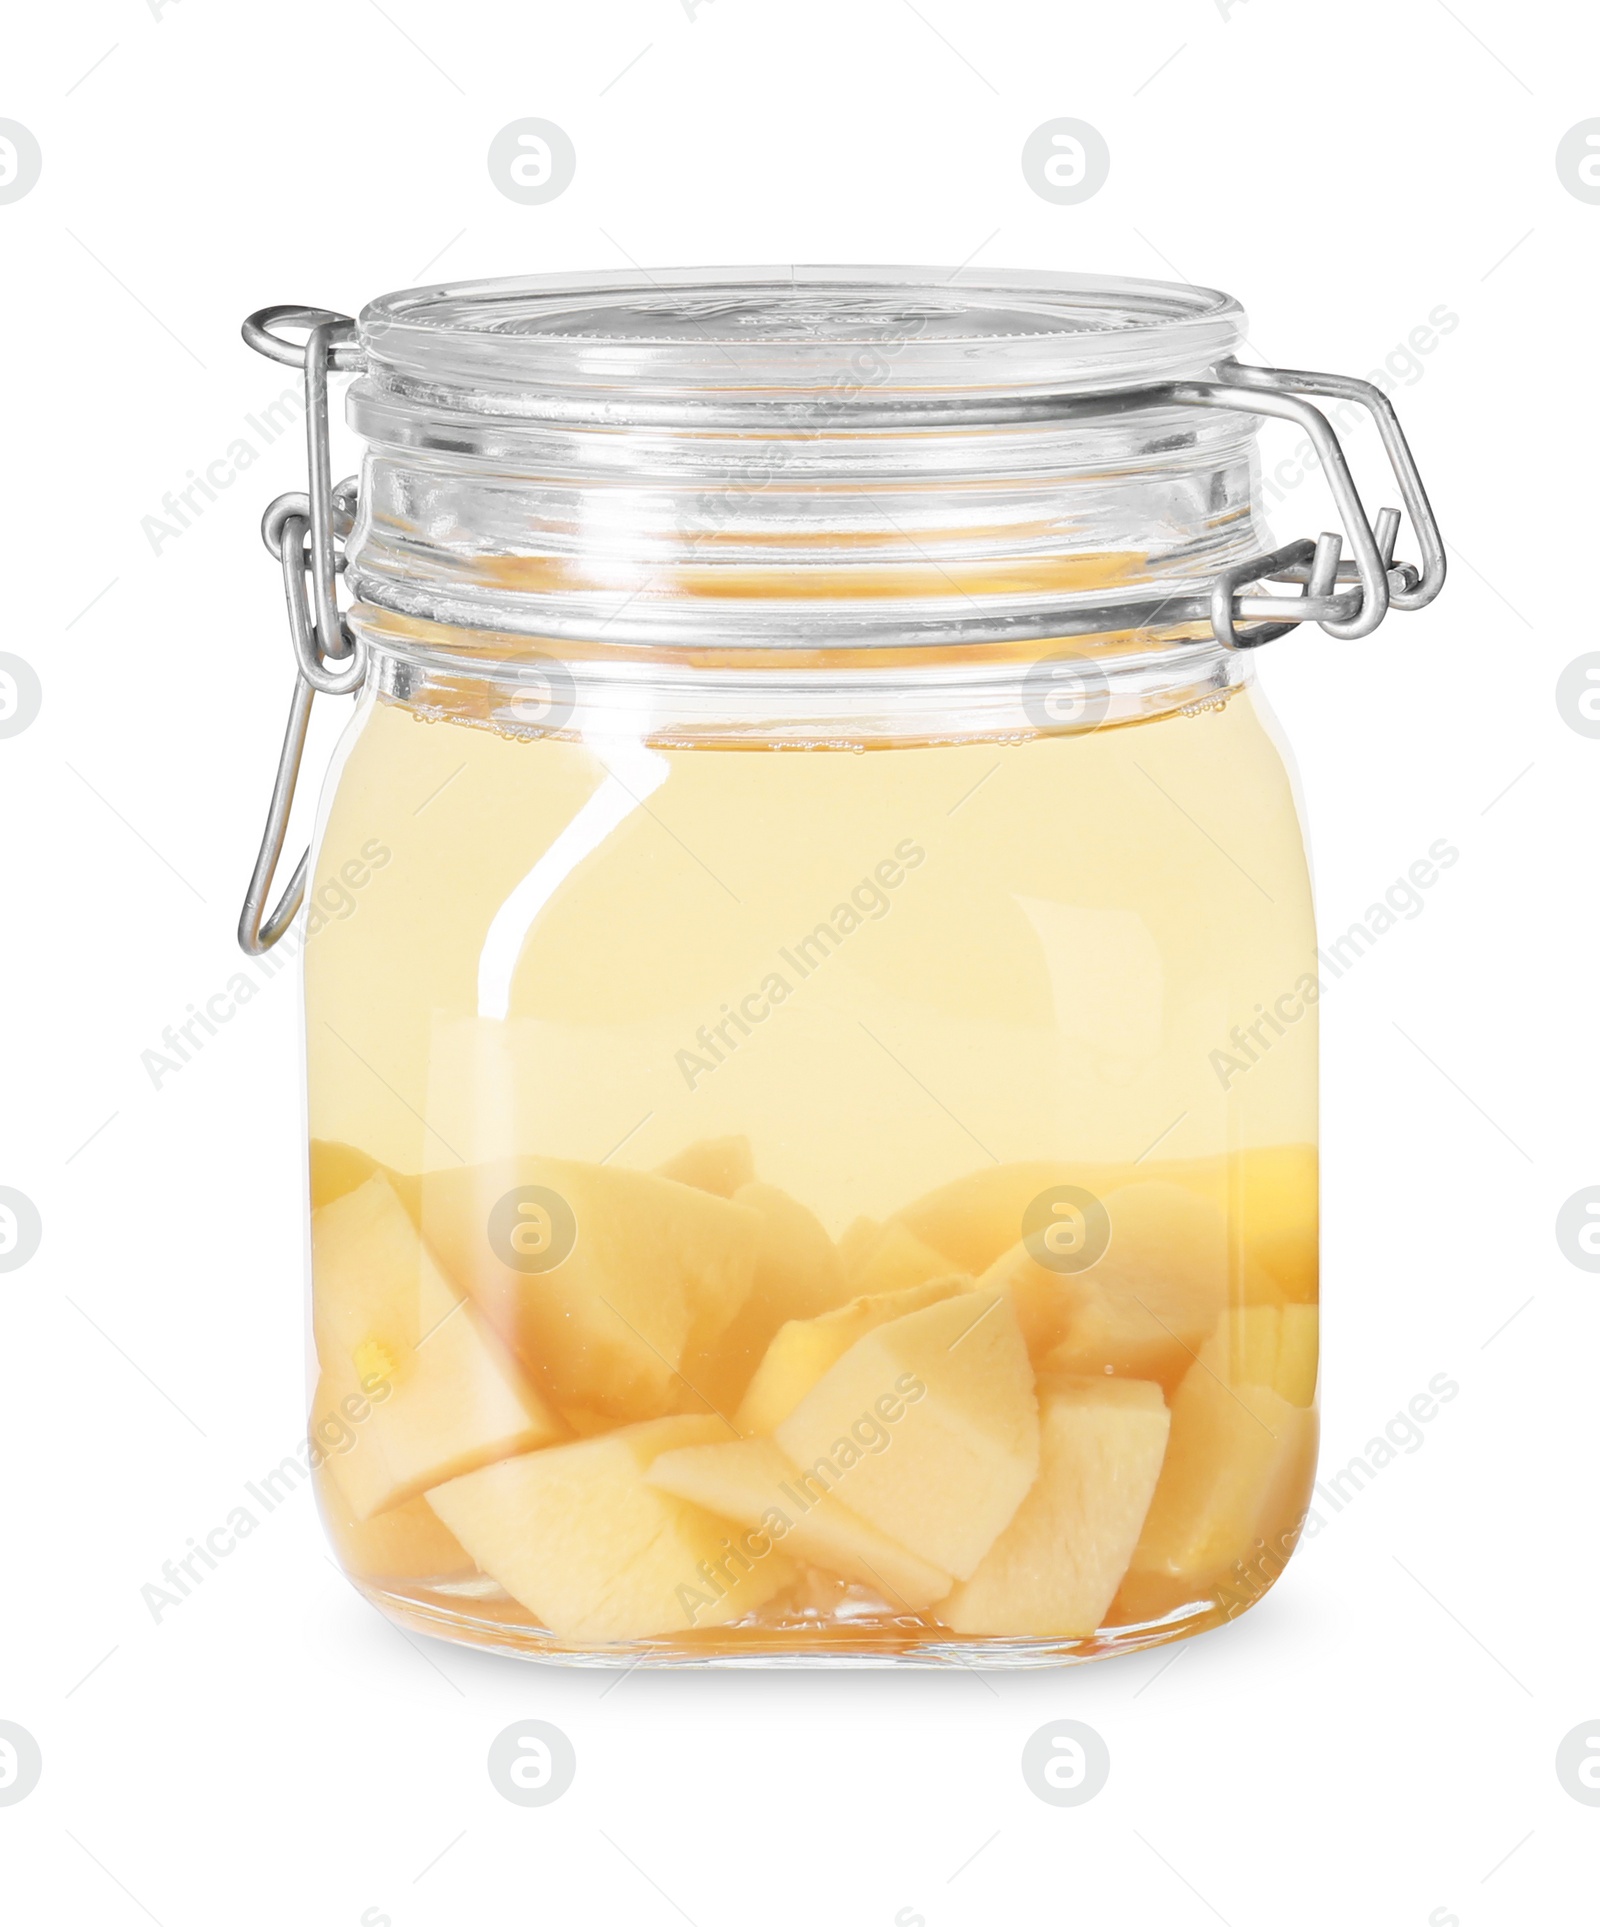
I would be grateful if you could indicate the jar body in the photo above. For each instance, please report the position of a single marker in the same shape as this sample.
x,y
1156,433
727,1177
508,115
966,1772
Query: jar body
x,y
823,1202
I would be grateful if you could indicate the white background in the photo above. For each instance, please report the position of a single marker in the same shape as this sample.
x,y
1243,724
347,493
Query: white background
x,y
1377,1741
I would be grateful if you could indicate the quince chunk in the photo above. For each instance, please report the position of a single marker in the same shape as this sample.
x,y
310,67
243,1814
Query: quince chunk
x,y
579,1536
1296,1375
892,1259
1144,1309
414,1387
1267,1345
720,1165
751,1482
798,1274
405,1543
1056,1568
802,1350
1269,1192
339,1168
1276,1195
602,1281
1234,1454
975,1218
930,1426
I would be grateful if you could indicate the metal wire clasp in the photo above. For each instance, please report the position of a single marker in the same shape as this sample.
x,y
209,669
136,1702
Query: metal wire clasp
x,y
304,533
1378,583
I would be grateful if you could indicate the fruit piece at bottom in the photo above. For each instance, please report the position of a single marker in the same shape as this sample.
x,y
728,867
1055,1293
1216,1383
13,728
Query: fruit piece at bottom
x,y
1244,1347
933,1421
1146,1306
1269,1197
1297,1354
802,1350
1275,1193
578,1536
1273,1345
1268,1193
974,1219
892,1260
720,1165
583,1424
798,1274
751,1482
414,1388
1056,1568
642,1272
1234,1452
408,1542
340,1168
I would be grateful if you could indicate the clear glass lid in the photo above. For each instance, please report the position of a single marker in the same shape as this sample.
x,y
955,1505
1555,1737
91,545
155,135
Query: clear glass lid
x,y
554,347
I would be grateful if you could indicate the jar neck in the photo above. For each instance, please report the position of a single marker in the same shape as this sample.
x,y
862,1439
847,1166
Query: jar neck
x,y
678,537
849,699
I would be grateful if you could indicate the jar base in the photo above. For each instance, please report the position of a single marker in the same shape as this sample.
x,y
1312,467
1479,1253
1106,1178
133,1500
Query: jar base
x,y
496,1624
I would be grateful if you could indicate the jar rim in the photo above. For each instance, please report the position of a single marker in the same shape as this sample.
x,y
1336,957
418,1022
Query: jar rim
x,y
838,341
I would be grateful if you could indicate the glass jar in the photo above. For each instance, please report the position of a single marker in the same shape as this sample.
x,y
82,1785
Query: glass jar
x,y
810,973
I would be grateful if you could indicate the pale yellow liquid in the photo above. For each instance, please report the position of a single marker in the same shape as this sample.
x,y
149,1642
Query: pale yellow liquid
x,y
1080,929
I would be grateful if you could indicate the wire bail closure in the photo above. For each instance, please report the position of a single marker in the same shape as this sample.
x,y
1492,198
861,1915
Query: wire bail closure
x,y
1348,599
1378,582
304,533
